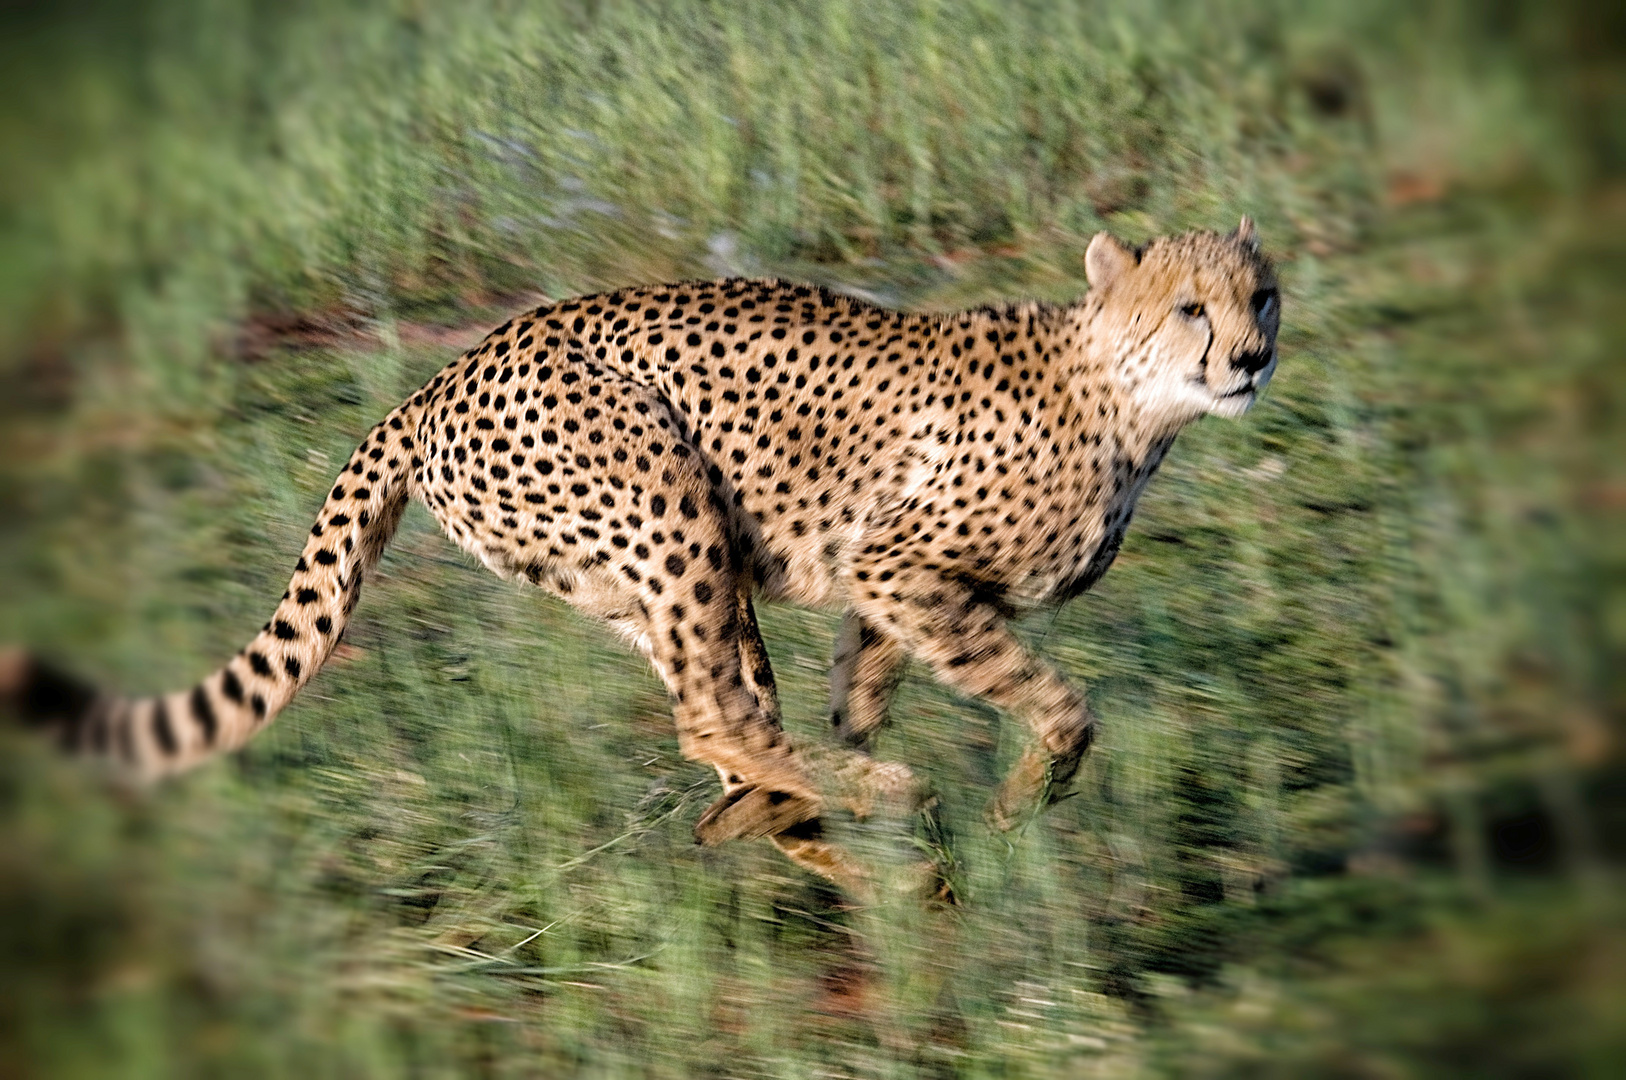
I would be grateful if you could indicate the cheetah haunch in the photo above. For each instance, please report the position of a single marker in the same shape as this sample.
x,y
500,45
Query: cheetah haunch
x,y
658,456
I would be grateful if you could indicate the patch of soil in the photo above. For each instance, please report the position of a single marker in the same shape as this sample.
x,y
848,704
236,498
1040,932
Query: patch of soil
x,y
265,333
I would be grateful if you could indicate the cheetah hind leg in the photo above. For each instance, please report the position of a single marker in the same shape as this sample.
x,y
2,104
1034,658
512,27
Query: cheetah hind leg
x,y
791,824
688,624
789,819
749,811
755,669
757,803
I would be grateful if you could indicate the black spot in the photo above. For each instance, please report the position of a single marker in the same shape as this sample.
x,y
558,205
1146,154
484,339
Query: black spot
x,y
675,565
230,686
326,558
290,664
307,596
284,631
257,703
702,592
259,664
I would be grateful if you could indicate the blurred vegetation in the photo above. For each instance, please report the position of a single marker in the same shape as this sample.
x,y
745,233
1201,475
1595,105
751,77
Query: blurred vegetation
x,y
1359,805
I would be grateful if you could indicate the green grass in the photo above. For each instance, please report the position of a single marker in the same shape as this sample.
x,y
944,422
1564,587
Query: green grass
x,y
1356,807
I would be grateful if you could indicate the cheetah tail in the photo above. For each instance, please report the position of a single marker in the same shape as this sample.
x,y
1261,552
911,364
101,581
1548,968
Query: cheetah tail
x,y
150,737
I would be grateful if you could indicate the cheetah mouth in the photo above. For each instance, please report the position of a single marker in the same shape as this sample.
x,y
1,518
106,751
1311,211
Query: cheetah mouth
x,y
1234,402
1246,389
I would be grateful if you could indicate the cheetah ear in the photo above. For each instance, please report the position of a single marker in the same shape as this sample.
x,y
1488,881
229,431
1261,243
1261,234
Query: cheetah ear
x,y
1247,234
1106,259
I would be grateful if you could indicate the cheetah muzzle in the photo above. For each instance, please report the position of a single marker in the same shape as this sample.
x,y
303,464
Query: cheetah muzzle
x,y
659,457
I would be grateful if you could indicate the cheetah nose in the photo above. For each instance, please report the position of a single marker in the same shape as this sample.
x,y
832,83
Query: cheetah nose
x,y
1252,362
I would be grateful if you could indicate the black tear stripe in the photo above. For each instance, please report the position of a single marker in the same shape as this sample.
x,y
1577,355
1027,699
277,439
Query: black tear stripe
x,y
162,731
204,713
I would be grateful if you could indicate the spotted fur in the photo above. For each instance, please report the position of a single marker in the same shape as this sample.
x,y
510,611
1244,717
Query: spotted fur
x,y
658,456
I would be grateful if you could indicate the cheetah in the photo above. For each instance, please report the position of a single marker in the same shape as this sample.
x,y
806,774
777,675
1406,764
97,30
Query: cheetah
x,y
659,457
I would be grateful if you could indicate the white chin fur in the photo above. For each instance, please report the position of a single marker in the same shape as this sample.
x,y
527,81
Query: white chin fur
x,y
1232,406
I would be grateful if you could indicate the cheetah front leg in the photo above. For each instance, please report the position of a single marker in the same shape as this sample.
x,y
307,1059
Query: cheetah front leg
x,y
864,673
865,669
969,646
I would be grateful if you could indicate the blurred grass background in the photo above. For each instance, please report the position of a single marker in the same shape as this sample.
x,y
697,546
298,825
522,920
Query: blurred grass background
x,y
1359,805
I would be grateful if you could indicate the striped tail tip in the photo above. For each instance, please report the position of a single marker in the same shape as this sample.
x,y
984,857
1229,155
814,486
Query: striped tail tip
x,y
39,697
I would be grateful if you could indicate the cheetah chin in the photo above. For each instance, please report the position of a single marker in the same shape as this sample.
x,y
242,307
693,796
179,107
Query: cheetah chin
x,y
660,456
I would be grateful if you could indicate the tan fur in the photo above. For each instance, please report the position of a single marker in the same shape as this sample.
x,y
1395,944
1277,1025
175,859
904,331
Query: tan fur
x,y
657,456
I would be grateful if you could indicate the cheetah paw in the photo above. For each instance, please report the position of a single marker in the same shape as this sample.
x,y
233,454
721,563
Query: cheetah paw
x,y
748,813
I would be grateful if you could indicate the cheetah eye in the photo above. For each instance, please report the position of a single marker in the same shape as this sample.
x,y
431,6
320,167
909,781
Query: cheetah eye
x,y
1264,301
1192,311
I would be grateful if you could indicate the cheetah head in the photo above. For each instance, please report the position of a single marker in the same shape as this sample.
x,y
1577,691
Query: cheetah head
x,y
1190,321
